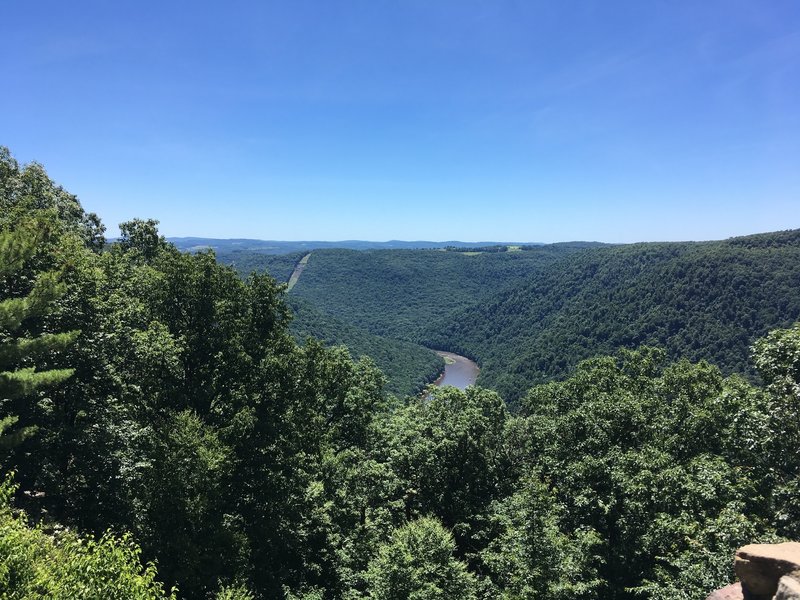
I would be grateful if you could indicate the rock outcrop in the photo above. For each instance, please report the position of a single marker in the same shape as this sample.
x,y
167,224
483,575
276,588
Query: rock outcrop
x,y
788,588
731,592
766,572
761,566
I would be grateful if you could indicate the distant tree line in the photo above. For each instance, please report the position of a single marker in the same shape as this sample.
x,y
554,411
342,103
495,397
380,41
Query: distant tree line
x,y
496,248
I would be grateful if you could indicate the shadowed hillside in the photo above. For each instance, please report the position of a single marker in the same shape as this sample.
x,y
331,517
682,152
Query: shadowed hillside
x,y
698,300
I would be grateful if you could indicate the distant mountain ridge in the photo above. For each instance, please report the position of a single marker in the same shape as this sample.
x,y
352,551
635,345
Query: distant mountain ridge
x,y
193,244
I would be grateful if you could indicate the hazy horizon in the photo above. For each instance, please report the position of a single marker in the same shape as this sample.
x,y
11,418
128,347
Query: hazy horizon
x,y
461,240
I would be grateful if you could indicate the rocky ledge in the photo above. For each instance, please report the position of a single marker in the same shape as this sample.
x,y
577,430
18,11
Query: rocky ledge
x,y
766,572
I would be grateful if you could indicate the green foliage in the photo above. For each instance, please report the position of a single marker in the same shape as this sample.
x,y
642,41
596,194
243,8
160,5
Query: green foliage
x,y
279,266
648,460
448,449
777,438
195,421
528,317
184,495
141,237
777,358
20,303
418,564
64,566
534,557
27,191
238,592
708,300
408,367
399,293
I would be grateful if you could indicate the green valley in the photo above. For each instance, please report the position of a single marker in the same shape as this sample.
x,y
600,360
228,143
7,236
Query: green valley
x,y
529,317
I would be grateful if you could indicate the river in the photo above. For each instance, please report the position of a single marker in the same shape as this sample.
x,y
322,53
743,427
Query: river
x,y
459,371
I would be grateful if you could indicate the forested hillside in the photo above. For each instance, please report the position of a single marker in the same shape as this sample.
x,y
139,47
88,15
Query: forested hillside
x,y
162,434
397,293
408,367
530,316
377,303
697,300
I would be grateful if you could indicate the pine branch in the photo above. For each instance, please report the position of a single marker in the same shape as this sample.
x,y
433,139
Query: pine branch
x,y
16,384
12,312
20,349
13,438
15,248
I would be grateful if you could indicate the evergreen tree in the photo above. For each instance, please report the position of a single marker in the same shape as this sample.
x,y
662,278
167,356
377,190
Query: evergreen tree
x,y
18,377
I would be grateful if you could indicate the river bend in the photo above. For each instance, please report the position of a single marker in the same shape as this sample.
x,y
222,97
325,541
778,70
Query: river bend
x,y
459,371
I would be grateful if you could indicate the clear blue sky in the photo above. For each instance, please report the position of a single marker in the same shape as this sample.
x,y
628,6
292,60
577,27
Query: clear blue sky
x,y
469,120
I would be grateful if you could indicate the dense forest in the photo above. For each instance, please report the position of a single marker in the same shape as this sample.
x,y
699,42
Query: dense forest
x,y
164,434
408,367
399,292
697,300
378,302
528,317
